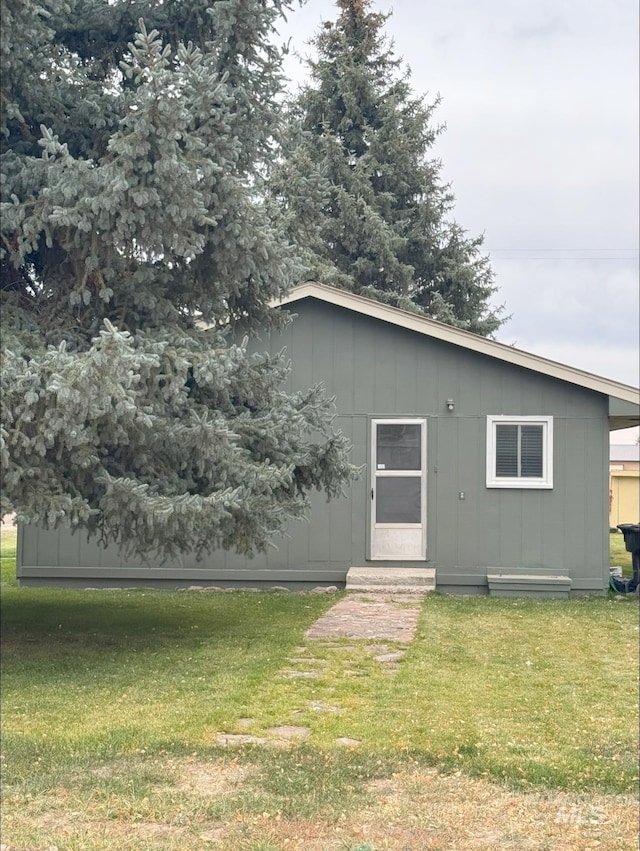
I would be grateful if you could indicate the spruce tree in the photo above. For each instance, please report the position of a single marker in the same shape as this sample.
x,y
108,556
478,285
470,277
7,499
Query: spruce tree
x,y
363,196
135,255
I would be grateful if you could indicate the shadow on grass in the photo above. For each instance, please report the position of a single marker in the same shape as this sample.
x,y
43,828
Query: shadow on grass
x,y
120,615
127,613
44,629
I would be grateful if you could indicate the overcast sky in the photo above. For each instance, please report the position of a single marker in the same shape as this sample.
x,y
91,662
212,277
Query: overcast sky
x,y
540,102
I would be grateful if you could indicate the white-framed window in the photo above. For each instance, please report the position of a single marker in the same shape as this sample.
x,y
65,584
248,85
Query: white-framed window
x,y
519,452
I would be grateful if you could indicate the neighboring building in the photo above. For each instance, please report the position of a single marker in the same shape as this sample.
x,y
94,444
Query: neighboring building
x,y
624,484
483,462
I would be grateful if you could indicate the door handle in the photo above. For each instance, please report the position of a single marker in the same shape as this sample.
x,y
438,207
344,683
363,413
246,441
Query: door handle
x,y
371,493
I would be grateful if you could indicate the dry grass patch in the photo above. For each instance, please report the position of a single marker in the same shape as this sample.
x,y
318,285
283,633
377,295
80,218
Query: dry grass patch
x,y
411,810
210,779
423,809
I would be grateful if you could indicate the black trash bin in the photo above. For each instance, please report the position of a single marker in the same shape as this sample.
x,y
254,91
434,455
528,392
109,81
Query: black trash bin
x,y
631,532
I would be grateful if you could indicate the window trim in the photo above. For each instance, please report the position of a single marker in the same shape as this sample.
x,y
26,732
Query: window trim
x,y
524,482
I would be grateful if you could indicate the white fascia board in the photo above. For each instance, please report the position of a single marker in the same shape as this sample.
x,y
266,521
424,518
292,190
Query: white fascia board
x,y
458,337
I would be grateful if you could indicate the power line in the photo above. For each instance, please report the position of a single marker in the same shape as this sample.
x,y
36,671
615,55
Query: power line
x,y
562,249
559,259
564,254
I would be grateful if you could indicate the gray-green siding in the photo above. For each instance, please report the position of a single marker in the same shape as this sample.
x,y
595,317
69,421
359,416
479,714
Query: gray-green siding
x,y
375,370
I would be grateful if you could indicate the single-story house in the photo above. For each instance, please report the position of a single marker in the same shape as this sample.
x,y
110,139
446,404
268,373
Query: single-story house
x,y
483,464
624,484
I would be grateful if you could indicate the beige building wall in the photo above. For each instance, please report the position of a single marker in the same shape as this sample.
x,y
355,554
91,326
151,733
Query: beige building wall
x,y
624,491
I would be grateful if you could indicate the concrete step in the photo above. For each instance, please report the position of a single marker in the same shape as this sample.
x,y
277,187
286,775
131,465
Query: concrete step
x,y
406,580
528,585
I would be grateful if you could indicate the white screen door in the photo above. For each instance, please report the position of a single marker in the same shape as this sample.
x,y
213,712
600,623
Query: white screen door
x,y
399,489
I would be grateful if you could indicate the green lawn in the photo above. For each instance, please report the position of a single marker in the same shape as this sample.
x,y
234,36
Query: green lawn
x,y
112,701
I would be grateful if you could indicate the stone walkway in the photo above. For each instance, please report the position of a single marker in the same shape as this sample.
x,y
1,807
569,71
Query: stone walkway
x,y
366,617
389,616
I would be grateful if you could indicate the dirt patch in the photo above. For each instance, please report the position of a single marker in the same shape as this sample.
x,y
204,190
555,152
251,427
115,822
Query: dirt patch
x,y
210,779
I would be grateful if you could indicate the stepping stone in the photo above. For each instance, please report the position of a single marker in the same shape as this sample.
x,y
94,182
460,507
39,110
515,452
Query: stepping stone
x,y
348,743
345,648
302,675
315,706
288,731
319,706
239,739
390,657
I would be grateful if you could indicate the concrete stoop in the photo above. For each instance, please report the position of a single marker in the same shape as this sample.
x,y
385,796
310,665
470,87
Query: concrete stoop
x,y
528,585
392,580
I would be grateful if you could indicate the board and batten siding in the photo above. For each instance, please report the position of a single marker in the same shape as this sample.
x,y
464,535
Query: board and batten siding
x,y
376,370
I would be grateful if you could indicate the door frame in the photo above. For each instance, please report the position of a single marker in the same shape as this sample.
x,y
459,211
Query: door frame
x,y
375,474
